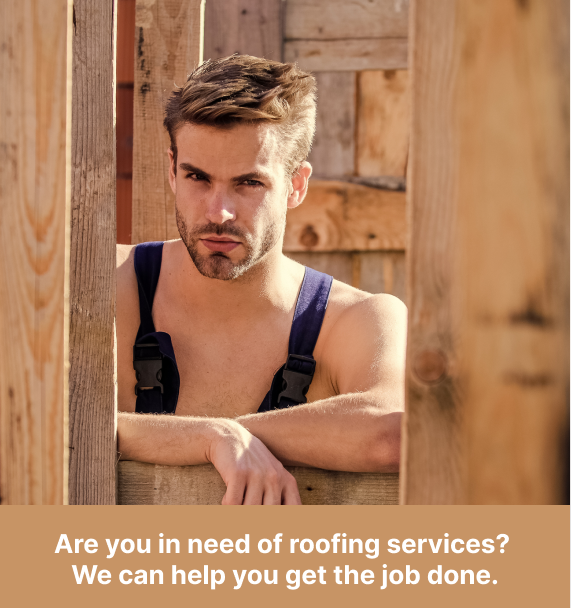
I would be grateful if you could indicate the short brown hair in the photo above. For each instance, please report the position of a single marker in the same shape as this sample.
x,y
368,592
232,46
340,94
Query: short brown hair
x,y
245,89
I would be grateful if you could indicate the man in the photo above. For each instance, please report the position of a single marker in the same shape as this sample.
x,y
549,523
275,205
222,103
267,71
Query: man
x,y
207,320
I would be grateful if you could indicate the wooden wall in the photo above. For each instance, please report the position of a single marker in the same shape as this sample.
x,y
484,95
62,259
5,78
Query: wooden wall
x,y
362,126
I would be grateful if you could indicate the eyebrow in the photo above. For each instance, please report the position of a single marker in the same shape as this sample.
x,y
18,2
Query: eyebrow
x,y
193,169
239,178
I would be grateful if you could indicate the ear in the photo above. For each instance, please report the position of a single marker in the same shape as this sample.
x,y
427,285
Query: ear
x,y
299,184
172,172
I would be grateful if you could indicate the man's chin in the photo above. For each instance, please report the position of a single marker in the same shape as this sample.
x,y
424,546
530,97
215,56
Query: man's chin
x,y
219,266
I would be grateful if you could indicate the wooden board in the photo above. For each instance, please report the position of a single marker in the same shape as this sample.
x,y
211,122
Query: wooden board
x,y
248,27
339,19
383,116
372,271
353,54
340,216
149,484
92,406
168,46
333,152
488,368
34,249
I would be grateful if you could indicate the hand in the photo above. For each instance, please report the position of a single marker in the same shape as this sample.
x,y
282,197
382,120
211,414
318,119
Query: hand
x,y
252,474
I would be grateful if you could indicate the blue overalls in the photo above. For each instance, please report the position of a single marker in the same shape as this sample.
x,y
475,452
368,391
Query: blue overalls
x,y
158,380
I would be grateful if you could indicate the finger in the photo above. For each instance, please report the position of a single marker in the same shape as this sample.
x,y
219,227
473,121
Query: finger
x,y
290,494
272,494
254,490
234,492
274,481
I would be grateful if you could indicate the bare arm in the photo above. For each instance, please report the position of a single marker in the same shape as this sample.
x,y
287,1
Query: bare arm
x,y
359,429
253,476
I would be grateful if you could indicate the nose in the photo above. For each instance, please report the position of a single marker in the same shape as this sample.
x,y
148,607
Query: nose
x,y
219,207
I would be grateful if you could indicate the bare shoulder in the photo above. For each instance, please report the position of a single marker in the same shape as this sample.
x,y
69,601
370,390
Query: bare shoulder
x,y
365,339
351,309
125,254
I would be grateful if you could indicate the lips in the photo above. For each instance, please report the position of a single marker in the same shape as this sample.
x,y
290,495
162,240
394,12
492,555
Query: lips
x,y
221,244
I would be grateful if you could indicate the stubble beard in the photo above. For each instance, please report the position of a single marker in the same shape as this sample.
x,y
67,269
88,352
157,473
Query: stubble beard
x,y
218,265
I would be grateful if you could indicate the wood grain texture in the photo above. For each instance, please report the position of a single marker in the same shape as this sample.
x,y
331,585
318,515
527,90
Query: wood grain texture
x,y
353,54
340,216
34,250
372,271
339,19
248,27
168,46
92,404
333,152
383,113
488,366
149,484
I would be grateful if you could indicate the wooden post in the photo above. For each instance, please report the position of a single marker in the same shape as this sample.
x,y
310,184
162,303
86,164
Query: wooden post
x,y
92,277
34,249
488,366
168,46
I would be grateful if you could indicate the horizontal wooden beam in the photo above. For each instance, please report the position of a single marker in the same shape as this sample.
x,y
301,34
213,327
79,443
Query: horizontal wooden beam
x,y
351,54
150,484
341,216
339,19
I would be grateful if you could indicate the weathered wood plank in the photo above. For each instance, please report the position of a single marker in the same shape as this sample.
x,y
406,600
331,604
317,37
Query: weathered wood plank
x,y
168,46
340,216
339,264
383,113
92,257
149,484
248,27
383,272
353,54
339,19
34,249
488,366
372,271
333,152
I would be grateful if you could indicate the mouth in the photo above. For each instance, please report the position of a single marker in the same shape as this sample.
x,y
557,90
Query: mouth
x,y
219,243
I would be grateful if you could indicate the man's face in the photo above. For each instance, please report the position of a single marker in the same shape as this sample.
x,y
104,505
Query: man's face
x,y
231,196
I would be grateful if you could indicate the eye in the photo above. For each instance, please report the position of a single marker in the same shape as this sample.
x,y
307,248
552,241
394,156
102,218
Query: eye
x,y
196,177
252,182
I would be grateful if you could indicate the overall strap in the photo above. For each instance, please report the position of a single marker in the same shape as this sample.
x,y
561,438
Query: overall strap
x,y
292,381
158,381
148,260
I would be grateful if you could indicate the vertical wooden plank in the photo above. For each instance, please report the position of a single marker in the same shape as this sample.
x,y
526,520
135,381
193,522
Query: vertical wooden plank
x,y
383,272
382,123
34,249
92,277
333,151
488,364
168,46
248,27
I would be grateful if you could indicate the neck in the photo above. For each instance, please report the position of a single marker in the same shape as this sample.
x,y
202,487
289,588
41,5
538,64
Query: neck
x,y
272,283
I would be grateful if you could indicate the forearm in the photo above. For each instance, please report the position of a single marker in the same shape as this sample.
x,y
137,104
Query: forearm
x,y
345,433
165,439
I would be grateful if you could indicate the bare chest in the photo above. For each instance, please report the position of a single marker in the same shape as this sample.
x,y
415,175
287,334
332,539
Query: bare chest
x,y
227,367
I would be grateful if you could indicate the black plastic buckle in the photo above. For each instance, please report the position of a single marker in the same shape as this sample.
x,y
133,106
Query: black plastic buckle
x,y
149,371
295,384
